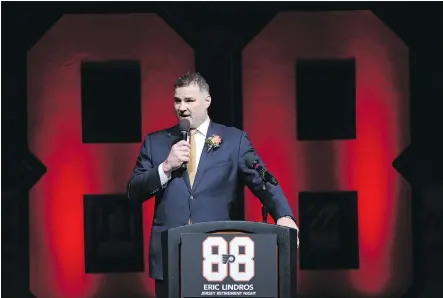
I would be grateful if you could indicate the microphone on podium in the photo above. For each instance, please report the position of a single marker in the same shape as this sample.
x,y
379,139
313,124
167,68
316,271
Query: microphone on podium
x,y
252,162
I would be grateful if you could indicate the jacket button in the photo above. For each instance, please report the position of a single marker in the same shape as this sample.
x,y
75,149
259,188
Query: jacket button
x,y
191,197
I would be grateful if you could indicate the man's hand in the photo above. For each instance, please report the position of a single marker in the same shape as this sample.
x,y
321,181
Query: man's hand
x,y
177,156
288,222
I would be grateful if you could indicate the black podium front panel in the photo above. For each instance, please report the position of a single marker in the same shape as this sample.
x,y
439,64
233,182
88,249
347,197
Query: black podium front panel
x,y
228,265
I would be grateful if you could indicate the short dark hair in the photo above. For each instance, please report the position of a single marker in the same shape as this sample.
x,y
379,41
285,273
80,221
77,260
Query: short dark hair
x,y
193,78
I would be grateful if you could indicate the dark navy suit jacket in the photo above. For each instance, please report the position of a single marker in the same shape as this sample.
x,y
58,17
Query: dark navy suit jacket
x,y
214,190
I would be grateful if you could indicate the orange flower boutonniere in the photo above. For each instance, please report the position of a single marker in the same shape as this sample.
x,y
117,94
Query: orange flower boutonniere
x,y
213,142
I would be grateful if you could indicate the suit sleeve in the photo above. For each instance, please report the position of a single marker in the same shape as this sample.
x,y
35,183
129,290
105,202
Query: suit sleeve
x,y
273,197
145,179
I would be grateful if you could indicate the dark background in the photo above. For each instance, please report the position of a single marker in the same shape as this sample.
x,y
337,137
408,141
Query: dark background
x,y
212,30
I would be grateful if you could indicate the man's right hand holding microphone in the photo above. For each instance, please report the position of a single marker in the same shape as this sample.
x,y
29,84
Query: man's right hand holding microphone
x,y
178,155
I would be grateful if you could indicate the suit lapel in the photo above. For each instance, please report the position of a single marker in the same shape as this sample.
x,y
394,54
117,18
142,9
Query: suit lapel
x,y
174,134
205,157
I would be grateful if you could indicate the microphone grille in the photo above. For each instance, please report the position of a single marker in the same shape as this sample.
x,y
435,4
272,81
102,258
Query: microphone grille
x,y
184,125
250,160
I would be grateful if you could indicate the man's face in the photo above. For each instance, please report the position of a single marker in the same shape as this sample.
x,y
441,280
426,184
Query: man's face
x,y
190,103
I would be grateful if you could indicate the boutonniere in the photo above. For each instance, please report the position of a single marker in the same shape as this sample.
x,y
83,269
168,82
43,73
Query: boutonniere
x,y
213,142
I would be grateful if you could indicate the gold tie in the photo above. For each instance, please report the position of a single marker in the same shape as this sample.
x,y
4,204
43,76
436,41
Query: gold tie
x,y
192,169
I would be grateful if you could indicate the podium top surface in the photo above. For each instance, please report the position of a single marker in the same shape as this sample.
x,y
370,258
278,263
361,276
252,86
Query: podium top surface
x,y
240,226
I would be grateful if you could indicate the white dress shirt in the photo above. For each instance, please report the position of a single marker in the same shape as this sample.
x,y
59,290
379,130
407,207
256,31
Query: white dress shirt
x,y
200,137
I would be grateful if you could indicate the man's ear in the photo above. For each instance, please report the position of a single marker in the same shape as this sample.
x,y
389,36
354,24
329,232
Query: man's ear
x,y
207,101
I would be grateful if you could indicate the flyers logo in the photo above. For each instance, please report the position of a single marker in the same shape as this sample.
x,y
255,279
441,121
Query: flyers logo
x,y
228,259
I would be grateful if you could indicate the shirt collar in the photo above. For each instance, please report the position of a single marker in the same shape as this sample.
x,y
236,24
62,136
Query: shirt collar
x,y
203,128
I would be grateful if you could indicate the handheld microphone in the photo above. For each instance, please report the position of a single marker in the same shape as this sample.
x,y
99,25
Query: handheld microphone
x,y
253,163
185,127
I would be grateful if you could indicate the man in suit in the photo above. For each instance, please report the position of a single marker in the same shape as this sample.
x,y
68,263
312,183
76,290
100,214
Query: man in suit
x,y
205,190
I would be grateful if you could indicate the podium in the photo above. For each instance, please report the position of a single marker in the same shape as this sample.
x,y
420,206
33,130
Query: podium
x,y
230,259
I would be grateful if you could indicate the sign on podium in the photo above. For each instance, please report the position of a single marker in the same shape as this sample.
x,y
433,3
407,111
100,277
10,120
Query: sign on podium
x,y
229,265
